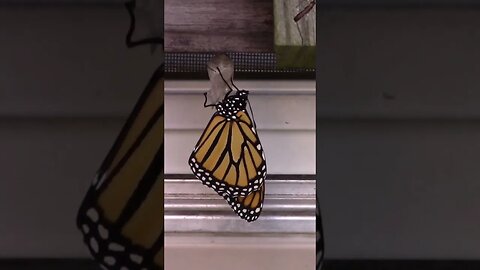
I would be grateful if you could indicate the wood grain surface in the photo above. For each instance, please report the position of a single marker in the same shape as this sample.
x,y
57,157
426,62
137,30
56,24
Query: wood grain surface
x,y
218,26
294,41
291,33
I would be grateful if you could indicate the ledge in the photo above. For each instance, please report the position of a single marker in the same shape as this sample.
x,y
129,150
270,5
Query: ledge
x,y
191,207
259,87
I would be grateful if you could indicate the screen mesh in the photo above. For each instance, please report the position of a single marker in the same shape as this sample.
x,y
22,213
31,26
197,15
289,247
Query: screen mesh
x,y
244,62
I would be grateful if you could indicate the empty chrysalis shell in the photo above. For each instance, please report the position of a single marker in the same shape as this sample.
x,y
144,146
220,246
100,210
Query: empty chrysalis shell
x,y
218,87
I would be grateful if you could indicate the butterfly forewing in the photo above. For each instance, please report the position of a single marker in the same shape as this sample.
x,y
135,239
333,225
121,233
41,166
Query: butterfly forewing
x,y
229,156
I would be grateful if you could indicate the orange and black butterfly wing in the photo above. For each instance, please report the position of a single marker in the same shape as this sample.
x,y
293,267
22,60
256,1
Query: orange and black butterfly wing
x,y
229,156
121,217
248,207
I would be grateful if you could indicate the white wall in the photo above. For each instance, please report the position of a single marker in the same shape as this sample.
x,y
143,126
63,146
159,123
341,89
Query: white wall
x,y
284,112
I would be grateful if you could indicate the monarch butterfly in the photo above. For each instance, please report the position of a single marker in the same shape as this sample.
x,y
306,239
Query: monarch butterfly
x,y
121,217
229,157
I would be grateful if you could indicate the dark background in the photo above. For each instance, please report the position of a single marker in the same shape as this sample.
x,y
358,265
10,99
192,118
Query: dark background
x,y
398,128
398,133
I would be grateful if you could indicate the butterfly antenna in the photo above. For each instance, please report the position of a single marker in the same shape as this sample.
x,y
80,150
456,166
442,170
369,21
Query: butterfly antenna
x,y
205,102
231,80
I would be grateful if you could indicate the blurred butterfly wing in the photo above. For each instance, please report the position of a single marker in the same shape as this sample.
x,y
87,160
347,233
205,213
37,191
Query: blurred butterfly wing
x,y
229,157
248,207
121,217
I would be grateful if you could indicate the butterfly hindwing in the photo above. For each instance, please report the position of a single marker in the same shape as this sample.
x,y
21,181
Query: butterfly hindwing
x,y
248,207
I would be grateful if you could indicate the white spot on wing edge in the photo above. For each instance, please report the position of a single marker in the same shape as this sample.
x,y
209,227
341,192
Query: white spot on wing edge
x,y
136,258
93,214
85,228
109,260
102,231
116,247
94,245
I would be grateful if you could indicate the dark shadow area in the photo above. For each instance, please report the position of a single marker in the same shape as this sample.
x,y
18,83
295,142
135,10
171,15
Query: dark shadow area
x,y
400,265
86,264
